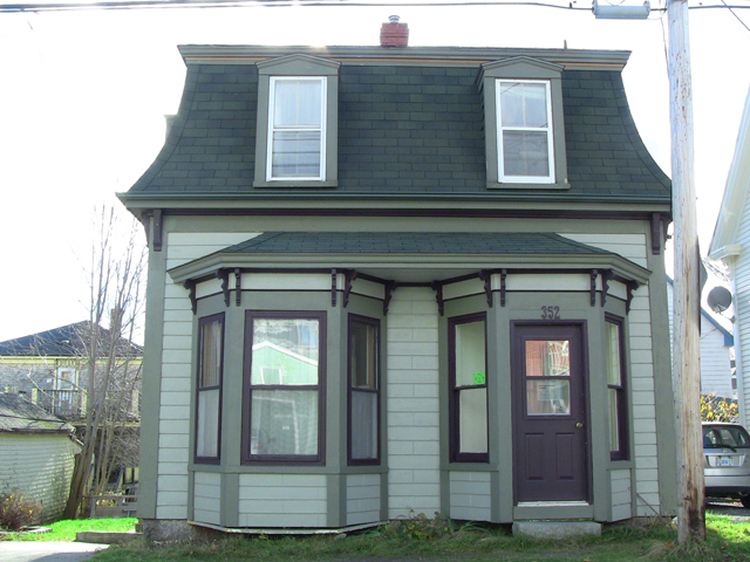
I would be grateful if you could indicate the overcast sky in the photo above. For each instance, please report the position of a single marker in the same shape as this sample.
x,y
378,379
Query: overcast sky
x,y
83,97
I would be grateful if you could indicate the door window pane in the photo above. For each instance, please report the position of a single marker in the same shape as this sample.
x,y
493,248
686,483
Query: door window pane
x,y
546,361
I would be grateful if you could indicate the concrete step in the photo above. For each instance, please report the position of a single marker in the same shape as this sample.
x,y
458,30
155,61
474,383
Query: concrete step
x,y
556,529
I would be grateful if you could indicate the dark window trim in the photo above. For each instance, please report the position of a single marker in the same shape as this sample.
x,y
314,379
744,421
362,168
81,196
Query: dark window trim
x,y
198,389
246,457
350,390
623,453
453,391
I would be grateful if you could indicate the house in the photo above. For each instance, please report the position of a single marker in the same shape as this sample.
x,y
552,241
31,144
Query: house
x,y
716,351
730,244
460,253
37,454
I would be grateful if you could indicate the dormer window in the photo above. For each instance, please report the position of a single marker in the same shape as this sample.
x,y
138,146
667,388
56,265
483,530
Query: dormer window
x,y
524,124
524,130
297,140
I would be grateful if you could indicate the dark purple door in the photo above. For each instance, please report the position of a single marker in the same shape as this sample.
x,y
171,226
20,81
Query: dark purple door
x,y
549,413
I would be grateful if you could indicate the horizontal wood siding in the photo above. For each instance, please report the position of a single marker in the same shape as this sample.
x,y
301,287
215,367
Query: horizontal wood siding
x,y
39,467
362,498
413,404
283,500
470,495
207,498
622,495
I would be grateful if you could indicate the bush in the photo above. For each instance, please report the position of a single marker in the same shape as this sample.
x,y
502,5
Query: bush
x,y
718,409
17,511
418,527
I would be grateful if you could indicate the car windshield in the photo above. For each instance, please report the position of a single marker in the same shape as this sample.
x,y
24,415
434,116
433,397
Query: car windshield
x,y
733,436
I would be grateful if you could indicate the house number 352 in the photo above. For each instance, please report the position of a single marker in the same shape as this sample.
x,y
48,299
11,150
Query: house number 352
x,y
550,313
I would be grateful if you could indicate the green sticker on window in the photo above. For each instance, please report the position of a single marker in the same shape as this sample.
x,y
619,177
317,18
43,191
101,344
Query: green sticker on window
x,y
480,378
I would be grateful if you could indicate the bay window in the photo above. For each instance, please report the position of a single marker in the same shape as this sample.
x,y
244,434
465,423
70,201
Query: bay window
x,y
364,390
208,402
616,395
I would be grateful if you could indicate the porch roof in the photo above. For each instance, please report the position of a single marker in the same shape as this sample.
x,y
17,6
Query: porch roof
x,y
18,415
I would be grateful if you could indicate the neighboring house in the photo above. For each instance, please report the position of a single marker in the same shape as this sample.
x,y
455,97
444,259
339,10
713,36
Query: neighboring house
x,y
37,454
50,368
716,352
462,251
731,243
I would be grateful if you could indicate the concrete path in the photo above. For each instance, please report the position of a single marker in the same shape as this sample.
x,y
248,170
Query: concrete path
x,y
32,551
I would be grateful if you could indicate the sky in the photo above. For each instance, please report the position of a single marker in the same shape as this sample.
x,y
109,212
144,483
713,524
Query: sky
x,y
84,95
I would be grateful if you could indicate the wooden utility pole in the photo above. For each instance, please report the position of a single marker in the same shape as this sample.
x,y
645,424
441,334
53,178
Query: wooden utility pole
x,y
686,336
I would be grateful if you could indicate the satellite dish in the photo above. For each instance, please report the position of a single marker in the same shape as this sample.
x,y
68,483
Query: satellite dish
x,y
719,299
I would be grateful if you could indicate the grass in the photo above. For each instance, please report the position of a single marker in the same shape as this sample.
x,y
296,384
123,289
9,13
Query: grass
x,y
66,530
727,541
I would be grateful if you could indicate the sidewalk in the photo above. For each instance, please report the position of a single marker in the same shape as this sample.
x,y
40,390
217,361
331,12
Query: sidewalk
x,y
32,551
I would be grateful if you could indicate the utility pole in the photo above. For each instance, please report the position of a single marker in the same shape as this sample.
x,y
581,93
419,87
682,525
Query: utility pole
x,y
691,517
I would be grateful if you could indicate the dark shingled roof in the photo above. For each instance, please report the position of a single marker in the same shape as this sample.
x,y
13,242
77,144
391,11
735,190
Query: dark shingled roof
x,y
67,341
18,415
403,130
504,243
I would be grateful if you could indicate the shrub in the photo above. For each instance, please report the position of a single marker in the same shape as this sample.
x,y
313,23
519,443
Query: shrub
x,y
419,527
17,511
718,409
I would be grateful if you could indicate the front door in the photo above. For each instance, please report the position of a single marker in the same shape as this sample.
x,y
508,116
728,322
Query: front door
x,y
549,413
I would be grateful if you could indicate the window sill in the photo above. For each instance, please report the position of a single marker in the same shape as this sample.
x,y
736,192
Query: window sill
x,y
292,184
522,186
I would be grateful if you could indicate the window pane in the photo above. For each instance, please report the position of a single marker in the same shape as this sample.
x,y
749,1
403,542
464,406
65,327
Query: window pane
x,y
210,353
298,103
526,153
523,104
614,420
284,422
285,351
613,354
363,354
473,420
470,354
547,397
207,434
364,425
296,154
545,358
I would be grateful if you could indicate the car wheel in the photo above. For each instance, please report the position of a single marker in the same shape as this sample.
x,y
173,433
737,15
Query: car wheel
x,y
745,502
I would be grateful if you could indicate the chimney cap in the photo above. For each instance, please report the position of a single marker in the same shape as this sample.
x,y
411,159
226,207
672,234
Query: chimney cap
x,y
394,19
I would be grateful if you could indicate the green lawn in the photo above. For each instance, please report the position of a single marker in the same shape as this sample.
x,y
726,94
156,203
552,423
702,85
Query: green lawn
x,y
66,530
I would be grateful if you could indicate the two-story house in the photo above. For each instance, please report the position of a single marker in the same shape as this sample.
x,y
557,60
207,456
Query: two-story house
x,y
386,281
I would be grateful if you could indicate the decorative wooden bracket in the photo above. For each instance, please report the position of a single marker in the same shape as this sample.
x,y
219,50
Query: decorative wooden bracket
x,y
238,286
334,276
223,274
190,286
438,287
594,275
503,275
351,275
656,228
157,229
632,286
607,276
389,287
486,276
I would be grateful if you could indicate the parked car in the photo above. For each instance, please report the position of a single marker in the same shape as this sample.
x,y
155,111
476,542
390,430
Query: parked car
x,y
726,448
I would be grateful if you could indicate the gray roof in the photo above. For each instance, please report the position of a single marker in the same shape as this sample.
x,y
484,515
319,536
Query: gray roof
x,y
505,243
18,415
404,129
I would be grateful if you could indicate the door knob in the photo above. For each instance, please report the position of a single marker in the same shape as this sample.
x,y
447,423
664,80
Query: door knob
x,y
579,425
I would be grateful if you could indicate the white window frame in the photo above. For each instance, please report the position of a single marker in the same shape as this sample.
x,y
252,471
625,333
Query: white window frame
x,y
502,176
272,128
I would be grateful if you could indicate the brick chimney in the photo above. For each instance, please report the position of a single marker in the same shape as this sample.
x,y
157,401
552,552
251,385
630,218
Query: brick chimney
x,y
394,34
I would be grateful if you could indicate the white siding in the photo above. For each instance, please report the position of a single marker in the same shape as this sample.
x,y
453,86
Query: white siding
x,y
630,246
40,467
207,498
470,496
282,500
621,494
362,498
413,404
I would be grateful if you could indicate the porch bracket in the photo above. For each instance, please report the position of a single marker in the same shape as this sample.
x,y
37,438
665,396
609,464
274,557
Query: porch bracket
x,y
486,276
656,229
503,275
351,275
606,278
190,286
389,287
223,274
632,287
594,275
438,287
157,229
334,275
238,286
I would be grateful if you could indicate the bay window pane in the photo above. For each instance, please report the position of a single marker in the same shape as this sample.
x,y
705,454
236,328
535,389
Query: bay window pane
x,y
613,354
473,420
285,351
362,354
284,422
614,420
470,354
207,434
210,353
364,425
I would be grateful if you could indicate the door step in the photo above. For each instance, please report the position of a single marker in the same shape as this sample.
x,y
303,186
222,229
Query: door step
x,y
556,529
